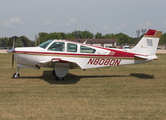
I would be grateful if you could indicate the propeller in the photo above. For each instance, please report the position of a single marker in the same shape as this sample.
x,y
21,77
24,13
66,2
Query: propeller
x,y
12,51
12,60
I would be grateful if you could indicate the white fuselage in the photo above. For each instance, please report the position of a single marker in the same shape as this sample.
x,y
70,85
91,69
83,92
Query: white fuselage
x,y
80,58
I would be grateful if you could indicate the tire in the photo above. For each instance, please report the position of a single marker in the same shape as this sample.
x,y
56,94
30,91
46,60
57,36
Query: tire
x,y
53,72
16,76
59,78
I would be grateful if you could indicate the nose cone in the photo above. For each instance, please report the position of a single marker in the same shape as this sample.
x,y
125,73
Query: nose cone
x,y
11,51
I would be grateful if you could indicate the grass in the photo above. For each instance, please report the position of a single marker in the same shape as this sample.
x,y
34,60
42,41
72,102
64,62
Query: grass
x,y
124,92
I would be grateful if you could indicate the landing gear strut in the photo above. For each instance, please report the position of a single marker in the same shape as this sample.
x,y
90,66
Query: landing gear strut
x,y
16,75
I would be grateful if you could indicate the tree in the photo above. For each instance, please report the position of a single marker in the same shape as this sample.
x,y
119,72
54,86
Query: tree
x,y
98,35
20,42
42,37
109,36
86,34
54,36
10,42
122,38
83,34
70,36
24,41
163,39
63,35
3,42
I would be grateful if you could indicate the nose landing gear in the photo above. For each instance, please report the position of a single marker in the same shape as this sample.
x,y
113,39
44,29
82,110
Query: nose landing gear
x,y
16,75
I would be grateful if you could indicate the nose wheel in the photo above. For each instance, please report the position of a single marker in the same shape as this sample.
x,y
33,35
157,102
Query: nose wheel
x,y
16,75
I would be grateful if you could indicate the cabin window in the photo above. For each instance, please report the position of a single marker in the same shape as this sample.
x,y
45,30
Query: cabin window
x,y
57,46
45,44
71,47
85,49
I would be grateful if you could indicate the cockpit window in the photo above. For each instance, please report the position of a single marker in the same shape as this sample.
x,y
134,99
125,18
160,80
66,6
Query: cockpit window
x,y
71,47
85,49
45,44
57,46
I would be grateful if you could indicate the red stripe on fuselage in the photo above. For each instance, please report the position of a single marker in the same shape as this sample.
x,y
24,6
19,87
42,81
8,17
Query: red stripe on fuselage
x,y
117,54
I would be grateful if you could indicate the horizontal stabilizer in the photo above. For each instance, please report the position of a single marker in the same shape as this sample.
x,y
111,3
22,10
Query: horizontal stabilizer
x,y
148,58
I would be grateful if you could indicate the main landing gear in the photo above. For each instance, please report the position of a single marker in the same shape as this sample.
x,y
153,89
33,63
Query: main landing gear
x,y
16,75
56,77
60,71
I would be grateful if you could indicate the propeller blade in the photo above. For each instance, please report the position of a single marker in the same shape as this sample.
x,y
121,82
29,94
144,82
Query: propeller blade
x,y
12,51
12,60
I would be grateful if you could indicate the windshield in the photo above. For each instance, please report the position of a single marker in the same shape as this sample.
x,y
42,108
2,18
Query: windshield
x,y
45,44
57,46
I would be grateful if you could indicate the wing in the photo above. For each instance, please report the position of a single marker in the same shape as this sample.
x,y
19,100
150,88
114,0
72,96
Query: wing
x,y
72,65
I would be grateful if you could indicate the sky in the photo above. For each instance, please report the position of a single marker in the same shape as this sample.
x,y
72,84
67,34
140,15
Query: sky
x,y
29,17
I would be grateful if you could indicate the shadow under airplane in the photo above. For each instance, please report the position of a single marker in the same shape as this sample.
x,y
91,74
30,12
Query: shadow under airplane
x,y
73,79
142,76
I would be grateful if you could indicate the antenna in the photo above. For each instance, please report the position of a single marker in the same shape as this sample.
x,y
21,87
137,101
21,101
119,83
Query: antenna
x,y
35,40
85,42
39,38
143,30
76,33
138,32
86,32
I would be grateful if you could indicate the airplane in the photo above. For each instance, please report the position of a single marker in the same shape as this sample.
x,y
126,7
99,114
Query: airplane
x,y
62,55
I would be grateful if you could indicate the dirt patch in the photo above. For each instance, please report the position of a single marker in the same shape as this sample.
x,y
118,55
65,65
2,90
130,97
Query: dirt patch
x,y
161,51
3,51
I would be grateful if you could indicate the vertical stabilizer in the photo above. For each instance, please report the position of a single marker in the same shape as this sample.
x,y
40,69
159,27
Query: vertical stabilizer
x,y
148,44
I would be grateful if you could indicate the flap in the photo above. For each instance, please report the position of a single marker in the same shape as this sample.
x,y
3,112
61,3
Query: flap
x,y
46,61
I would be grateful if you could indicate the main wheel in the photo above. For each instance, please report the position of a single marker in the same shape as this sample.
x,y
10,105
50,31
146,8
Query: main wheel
x,y
53,72
58,78
16,75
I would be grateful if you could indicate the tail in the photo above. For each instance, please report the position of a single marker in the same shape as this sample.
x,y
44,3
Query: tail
x,y
148,44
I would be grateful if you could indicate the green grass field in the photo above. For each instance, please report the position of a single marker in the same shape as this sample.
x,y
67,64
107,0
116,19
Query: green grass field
x,y
136,92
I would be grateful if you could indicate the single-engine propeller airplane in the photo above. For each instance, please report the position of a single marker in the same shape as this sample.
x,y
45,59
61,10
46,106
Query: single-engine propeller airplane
x,y
62,55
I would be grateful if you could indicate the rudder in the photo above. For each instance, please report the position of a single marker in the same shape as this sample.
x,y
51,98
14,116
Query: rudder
x,y
148,44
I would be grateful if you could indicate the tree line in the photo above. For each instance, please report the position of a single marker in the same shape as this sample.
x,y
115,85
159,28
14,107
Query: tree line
x,y
20,42
120,37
